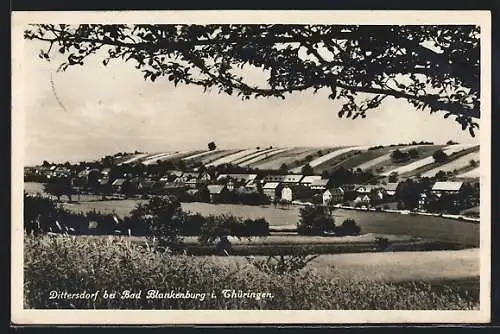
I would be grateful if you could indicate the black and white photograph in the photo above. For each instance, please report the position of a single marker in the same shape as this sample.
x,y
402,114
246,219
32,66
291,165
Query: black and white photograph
x,y
324,167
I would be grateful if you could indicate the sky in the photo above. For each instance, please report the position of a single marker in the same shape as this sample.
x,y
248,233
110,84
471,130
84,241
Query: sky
x,y
113,109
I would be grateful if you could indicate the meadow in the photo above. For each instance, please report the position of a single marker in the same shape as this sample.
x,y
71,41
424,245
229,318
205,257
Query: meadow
x,y
462,233
389,266
74,264
457,164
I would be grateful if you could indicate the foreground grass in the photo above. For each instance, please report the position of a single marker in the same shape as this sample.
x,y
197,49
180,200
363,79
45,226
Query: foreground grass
x,y
74,265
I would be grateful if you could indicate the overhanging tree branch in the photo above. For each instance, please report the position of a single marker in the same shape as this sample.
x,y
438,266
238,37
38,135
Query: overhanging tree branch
x,y
361,59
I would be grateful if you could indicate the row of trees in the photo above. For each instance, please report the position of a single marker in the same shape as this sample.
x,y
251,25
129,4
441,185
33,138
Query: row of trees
x,y
160,219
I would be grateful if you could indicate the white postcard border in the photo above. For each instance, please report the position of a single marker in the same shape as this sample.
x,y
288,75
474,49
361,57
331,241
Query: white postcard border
x,y
23,316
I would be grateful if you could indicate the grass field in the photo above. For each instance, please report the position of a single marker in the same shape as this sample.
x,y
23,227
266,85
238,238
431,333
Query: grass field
x,y
214,155
364,159
426,163
391,266
424,151
289,158
428,227
446,281
457,164
474,173
233,157
453,154
338,161
339,151
261,157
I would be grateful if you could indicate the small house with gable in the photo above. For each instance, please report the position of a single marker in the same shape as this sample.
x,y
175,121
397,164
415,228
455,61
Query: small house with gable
x,y
118,184
333,196
216,192
362,200
272,190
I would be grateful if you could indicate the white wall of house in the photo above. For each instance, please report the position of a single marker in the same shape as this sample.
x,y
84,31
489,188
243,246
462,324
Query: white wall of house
x,y
333,196
286,194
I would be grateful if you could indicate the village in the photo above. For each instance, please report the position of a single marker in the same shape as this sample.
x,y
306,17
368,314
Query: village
x,y
233,184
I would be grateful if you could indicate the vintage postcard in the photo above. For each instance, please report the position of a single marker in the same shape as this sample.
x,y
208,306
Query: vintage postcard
x,y
251,167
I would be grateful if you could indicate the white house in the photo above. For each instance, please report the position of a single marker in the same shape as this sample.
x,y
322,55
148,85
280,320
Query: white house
x,y
204,177
230,185
333,196
391,188
364,189
376,191
270,189
216,191
363,200
287,194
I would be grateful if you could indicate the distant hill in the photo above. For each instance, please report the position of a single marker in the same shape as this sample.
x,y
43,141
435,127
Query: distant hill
x,y
376,159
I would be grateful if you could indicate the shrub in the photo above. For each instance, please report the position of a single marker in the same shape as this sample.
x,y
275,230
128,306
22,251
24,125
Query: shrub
x,y
258,227
315,220
217,227
282,264
382,243
40,214
163,219
192,224
440,156
348,227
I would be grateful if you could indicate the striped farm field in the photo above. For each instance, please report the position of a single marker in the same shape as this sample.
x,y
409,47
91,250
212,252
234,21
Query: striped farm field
x,y
450,149
233,157
364,158
385,162
325,158
253,155
198,155
264,156
474,173
135,158
456,164
214,155
151,159
168,156
453,153
386,155
289,158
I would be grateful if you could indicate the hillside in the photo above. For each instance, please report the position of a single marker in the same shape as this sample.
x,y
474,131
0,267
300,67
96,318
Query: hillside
x,y
463,160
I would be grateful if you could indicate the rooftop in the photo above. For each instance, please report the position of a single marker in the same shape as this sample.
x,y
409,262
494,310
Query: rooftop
x,y
271,185
215,188
447,186
310,178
